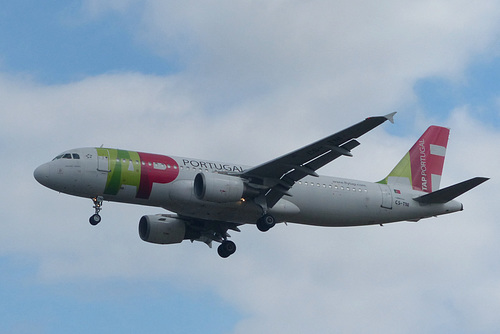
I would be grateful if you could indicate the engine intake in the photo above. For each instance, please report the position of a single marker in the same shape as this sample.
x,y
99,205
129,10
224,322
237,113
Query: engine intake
x,y
162,229
220,188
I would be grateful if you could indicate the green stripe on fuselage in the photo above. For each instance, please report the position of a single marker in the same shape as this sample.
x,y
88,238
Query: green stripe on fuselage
x,y
125,169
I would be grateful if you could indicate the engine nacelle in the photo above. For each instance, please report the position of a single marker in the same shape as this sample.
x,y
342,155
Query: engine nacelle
x,y
219,188
162,229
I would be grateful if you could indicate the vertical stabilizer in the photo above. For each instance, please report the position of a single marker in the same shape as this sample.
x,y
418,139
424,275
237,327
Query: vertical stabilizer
x,y
421,168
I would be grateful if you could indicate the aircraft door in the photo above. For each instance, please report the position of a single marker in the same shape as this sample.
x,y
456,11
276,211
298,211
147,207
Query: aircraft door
x,y
386,196
103,161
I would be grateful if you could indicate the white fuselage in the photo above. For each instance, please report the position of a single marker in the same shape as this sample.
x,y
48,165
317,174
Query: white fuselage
x,y
126,176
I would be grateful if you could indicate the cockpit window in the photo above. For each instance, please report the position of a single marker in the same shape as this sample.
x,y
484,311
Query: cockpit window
x,y
67,156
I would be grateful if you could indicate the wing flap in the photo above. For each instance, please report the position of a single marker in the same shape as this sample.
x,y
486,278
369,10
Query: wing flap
x,y
447,194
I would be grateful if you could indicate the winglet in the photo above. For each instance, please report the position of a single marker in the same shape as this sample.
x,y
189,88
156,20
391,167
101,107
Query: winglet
x,y
390,116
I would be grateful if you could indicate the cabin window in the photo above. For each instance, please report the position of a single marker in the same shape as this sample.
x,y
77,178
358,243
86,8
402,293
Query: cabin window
x,y
159,165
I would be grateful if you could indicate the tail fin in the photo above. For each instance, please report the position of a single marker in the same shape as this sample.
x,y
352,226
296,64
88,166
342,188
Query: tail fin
x,y
421,168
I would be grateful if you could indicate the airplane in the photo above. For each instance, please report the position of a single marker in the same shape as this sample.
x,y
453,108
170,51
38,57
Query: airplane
x,y
208,198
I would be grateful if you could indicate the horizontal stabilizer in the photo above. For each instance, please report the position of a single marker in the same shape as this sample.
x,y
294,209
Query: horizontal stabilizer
x,y
447,194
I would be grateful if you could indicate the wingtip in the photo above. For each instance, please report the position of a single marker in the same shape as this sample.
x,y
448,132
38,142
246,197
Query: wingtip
x,y
481,179
390,116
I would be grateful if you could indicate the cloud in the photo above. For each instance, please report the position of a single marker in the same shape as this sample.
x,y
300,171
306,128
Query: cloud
x,y
259,80
335,53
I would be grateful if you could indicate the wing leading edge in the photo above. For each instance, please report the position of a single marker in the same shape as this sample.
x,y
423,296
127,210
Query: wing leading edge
x,y
277,176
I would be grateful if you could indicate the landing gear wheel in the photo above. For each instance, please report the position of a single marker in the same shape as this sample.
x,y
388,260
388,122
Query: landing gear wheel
x,y
266,222
94,219
226,248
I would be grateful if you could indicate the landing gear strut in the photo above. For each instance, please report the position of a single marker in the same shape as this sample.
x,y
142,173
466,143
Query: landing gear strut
x,y
96,218
226,248
267,221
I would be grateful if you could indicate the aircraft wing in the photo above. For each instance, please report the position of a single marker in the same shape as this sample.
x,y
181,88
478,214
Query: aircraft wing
x,y
277,176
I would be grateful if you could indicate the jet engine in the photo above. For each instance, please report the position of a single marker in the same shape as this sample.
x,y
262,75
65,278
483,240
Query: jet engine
x,y
162,229
220,188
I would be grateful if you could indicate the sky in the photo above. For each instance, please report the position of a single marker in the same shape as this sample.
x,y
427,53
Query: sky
x,y
245,82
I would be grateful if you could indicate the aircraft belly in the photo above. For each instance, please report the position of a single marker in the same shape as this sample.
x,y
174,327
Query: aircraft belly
x,y
237,212
339,210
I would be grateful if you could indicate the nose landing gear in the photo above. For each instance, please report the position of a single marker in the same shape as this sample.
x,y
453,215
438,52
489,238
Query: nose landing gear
x,y
96,218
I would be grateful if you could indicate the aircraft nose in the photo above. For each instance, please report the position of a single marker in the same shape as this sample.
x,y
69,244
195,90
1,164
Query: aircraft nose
x,y
41,174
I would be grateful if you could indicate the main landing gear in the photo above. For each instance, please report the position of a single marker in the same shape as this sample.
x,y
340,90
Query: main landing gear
x,y
96,218
226,248
266,222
